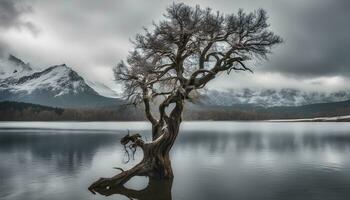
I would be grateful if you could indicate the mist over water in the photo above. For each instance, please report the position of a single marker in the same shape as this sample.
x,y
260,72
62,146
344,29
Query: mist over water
x,y
211,160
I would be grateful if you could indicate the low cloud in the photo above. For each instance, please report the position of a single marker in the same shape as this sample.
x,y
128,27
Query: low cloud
x,y
11,18
92,36
11,15
274,80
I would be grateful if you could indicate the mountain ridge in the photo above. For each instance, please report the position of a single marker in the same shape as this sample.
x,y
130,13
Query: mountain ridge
x,y
58,86
270,97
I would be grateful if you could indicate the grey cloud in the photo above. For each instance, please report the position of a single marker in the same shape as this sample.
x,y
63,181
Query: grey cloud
x,y
3,48
94,35
317,41
10,15
31,27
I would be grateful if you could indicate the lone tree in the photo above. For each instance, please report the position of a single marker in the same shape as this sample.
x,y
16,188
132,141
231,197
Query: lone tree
x,y
178,56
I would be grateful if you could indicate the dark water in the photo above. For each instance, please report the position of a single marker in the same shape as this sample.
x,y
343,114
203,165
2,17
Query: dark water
x,y
211,160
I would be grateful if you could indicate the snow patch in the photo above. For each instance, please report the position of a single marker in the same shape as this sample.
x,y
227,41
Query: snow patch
x,y
337,118
9,69
103,90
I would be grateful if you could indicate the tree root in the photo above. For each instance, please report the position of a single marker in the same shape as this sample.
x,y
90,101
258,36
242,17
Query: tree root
x,y
117,180
155,190
132,142
155,164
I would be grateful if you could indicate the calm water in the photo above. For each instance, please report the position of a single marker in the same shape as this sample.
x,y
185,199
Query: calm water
x,y
211,160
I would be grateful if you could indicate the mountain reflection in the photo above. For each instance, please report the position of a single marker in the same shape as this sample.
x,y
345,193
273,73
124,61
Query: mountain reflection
x,y
67,152
70,151
249,141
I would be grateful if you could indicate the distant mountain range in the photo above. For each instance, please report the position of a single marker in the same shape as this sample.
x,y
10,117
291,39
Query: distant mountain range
x,y
57,86
60,86
270,97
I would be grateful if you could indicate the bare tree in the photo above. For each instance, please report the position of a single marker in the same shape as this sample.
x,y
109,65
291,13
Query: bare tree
x,y
178,56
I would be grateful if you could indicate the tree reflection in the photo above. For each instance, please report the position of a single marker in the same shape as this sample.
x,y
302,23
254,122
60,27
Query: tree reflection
x,y
155,190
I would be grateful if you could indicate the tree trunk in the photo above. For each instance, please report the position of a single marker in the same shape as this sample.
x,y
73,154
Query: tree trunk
x,y
156,162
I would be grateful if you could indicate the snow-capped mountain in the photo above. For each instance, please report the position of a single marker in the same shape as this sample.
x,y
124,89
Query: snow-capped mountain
x,y
270,97
58,86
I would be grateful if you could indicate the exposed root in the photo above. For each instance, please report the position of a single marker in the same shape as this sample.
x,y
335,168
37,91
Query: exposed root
x,y
116,181
155,164
131,142
155,190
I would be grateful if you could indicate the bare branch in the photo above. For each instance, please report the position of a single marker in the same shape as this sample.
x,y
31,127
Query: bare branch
x,y
187,49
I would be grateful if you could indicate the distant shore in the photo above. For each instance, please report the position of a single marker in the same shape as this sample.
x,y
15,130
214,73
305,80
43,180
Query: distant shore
x,y
345,118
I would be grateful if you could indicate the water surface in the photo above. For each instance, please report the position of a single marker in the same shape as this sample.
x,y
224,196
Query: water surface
x,y
211,160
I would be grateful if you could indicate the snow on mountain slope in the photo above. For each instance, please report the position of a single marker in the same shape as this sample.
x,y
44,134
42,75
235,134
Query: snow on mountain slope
x,y
58,86
103,89
316,119
13,67
58,79
271,97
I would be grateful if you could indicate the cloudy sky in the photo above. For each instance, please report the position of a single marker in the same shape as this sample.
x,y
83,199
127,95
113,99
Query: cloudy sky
x,y
92,36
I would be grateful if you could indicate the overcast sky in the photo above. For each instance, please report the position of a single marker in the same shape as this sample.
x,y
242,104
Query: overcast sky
x,y
92,36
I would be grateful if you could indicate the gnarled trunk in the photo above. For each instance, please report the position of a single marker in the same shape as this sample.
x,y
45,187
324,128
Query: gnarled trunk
x,y
156,163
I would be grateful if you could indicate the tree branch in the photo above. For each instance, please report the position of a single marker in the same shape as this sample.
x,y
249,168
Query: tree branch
x,y
146,102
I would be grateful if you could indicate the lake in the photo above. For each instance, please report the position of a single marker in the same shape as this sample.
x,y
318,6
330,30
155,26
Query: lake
x,y
211,160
